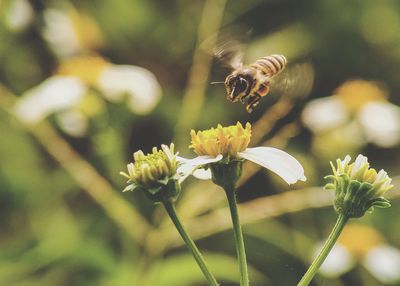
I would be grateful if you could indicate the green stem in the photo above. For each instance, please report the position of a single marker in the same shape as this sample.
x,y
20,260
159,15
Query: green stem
x,y
337,229
237,231
170,208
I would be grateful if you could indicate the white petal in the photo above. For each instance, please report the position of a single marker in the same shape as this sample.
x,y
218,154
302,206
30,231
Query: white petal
x,y
73,122
278,161
381,175
60,32
338,262
19,15
384,263
202,174
359,163
346,160
139,84
324,113
54,94
189,166
381,123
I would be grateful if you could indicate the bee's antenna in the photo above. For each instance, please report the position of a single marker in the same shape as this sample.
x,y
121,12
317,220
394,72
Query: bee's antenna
x,y
217,82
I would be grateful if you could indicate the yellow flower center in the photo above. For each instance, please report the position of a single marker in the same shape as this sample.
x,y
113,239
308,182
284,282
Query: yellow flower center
x,y
356,93
148,169
360,239
86,68
87,30
221,140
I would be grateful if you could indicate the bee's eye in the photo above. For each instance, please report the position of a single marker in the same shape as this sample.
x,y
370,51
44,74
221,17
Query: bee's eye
x,y
241,85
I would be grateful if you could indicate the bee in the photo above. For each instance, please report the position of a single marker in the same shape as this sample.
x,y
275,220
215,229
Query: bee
x,y
249,83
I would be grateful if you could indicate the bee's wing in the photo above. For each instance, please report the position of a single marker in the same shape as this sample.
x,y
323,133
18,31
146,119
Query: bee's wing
x,y
229,53
294,81
227,46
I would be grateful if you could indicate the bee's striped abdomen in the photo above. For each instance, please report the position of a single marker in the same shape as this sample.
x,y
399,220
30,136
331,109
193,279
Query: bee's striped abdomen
x,y
271,65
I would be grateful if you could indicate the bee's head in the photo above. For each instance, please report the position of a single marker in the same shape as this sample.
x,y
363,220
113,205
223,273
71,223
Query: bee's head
x,y
238,84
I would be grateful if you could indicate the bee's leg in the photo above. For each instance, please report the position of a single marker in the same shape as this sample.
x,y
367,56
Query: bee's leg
x,y
253,102
264,89
243,97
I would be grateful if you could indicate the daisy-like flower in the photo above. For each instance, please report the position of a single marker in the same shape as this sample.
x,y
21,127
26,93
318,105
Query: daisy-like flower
x,y
67,94
222,150
358,188
224,145
154,173
359,103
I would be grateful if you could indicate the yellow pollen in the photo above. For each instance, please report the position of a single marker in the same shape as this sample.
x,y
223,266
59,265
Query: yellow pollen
x,y
221,140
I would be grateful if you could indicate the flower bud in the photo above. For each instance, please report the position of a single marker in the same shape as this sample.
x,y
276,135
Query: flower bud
x,y
154,173
358,188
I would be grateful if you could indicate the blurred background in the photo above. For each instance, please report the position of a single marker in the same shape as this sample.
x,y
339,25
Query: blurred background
x,y
83,84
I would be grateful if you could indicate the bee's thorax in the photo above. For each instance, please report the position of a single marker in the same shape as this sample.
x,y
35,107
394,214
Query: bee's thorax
x,y
251,83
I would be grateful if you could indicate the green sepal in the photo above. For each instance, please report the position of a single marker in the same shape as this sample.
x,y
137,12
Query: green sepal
x,y
226,172
164,181
165,191
381,202
154,190
353,198
131,187
330,186
330,177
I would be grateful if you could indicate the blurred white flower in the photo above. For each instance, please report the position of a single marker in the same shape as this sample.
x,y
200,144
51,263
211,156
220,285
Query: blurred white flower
x,y
361,244
338,262
54,94
324,113
381,123
383,262
19,15
73,122
69,31
67,92
378,121
60,33
135,84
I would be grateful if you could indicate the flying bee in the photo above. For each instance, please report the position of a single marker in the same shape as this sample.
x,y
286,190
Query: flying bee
x,y
249,83
252,82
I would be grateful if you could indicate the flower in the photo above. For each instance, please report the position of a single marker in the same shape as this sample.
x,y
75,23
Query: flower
x,y
229,146
357,103
69,93
154,173
358,188
380,122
